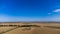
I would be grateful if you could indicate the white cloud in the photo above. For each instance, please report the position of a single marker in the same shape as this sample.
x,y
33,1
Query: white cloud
x,y
57,10
49,13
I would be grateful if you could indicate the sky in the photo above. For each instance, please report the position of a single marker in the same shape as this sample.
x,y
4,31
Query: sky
x,y
29,10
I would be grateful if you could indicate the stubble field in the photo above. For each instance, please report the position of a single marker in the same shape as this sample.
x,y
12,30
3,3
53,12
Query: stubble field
x,y
30,28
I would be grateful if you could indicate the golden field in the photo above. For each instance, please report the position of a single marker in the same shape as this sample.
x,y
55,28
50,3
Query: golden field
x,y
44,28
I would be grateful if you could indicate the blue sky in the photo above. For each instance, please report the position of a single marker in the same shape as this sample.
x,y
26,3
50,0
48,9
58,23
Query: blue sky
x,y
29,10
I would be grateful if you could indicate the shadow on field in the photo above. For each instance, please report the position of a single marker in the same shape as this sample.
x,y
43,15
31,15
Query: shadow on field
x,y
19,26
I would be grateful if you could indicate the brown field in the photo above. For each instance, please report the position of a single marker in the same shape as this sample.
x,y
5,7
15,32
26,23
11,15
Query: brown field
x,y
36,28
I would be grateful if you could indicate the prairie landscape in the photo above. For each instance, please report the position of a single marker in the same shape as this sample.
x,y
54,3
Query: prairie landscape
x,y
29,28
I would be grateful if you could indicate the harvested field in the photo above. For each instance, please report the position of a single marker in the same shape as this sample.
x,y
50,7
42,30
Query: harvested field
x,y
30,28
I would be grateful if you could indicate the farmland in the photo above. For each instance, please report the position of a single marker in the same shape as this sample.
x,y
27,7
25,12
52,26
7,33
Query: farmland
x,y
30,28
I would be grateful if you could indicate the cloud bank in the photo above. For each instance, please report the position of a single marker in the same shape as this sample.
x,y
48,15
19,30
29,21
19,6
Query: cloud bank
x,y
7,18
